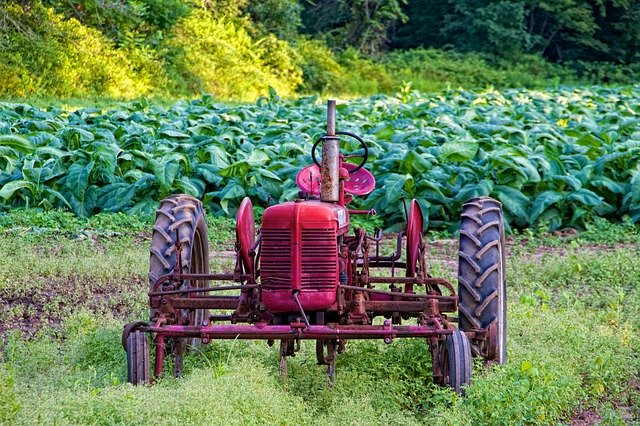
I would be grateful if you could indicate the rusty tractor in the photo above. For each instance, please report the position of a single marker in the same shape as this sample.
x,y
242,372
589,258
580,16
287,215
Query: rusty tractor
x,y
305,275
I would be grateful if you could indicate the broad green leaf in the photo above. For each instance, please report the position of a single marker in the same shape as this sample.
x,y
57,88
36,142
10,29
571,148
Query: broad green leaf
x,y
458,150
174,134
10,188
17,142
585,197
165,172
542,202
514,201
78,179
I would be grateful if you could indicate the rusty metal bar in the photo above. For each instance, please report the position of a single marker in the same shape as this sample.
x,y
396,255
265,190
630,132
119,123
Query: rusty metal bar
x,y
204,289
230,302
406,306
220,317
201,277
374,263
297,331
399,294
159,362
408,280
330,171
387,260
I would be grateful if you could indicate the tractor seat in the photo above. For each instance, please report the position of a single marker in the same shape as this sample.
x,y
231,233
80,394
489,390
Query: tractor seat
x,y
361,182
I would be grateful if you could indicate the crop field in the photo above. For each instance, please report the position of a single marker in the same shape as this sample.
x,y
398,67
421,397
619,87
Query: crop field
x,y
78,189
555,158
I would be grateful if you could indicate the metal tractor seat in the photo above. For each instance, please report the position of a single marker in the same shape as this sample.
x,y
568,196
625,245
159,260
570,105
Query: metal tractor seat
x,y
360,182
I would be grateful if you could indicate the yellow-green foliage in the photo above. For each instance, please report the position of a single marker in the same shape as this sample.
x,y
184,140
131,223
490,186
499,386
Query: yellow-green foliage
x,y
45,54
127,49
9,405
220,57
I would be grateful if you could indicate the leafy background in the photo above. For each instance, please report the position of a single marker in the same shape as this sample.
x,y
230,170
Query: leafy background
x,y
235,49
554,158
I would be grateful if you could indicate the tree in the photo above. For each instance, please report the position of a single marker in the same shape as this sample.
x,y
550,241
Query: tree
x,y
364,24
279,17
495,27
423,26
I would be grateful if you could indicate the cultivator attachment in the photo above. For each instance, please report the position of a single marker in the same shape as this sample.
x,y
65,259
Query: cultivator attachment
x,y
304,276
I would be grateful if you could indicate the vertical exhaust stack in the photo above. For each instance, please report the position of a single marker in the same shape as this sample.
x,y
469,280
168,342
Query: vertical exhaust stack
x,y
329,178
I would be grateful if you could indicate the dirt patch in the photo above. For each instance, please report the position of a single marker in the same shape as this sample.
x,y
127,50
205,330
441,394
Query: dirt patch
x,y
27,309
585,418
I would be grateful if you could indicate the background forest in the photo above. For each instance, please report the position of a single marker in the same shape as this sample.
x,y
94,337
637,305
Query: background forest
x,y
236,49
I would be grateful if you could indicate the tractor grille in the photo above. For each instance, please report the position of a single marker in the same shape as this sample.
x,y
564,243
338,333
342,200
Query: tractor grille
x,y
318,258
275,265
319,254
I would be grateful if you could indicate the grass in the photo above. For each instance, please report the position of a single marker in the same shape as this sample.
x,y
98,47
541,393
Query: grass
x,y
574,327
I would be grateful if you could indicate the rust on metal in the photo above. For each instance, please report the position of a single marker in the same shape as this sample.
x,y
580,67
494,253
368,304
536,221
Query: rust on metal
x,y
330,170
202,289
406,306
264,331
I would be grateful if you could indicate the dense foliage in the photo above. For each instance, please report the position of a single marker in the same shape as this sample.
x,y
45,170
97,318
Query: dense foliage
x,y
556,157
235,49
561,30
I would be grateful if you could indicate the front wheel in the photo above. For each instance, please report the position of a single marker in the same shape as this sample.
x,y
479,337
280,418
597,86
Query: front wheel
x,y
457,361
138,358
482,288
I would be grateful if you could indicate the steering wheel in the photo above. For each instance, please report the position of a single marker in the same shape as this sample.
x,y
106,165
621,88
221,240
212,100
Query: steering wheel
x,y
364,156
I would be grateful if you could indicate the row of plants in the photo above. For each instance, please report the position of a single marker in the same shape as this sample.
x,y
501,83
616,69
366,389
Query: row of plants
x,y
558,157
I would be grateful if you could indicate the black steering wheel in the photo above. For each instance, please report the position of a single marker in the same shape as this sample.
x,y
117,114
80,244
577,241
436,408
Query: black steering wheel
x,y
364,156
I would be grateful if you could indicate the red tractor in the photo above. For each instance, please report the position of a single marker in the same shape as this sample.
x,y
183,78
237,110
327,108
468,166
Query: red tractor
x,y
306,276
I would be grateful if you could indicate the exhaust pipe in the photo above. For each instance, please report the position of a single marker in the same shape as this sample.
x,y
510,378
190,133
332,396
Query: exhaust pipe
x,y
330,172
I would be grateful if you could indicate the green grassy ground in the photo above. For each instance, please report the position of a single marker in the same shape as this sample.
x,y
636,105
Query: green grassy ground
x,y
68,285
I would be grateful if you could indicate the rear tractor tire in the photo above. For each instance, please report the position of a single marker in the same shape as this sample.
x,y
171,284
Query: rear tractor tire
x,y
180,218
482,288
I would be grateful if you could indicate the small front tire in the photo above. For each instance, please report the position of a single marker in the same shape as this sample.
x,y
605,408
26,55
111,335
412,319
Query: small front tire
x,y
138,364
457,361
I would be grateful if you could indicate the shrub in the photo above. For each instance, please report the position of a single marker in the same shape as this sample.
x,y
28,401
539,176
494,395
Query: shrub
x,y
45,54
320,70
219,57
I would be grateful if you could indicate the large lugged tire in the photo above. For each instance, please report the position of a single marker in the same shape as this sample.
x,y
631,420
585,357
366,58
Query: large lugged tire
x,y
138,358
482,288
180,217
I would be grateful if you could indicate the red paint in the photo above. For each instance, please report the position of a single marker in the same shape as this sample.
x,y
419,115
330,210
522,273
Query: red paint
x,y
300,251
361,182
245,233
415,225
298,331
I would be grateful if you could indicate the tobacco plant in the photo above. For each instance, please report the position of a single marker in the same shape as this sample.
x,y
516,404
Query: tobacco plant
x,y
558,158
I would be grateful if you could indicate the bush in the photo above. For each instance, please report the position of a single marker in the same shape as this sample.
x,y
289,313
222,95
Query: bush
x,y
219,57
607,72
320,70
430,70
45,54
